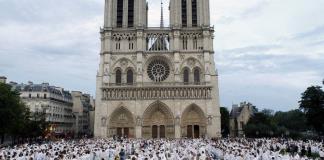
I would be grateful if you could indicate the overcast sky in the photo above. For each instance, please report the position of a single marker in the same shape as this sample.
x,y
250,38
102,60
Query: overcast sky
x,y
267,51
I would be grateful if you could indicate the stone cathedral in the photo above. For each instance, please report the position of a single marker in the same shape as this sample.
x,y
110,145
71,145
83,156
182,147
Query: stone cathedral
x,y
157,82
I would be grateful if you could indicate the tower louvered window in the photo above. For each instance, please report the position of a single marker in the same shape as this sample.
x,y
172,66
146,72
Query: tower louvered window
x,y
130,13
184,12
194,13
120,6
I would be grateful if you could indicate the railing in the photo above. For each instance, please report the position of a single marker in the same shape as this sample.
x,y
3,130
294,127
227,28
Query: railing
x,y
155,93
156,84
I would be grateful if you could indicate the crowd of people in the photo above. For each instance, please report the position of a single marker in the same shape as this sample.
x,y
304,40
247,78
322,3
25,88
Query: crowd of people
x,y
166,149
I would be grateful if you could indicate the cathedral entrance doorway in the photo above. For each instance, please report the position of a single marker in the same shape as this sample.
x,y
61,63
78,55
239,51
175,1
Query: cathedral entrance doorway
x,y
193,131
158,131
155,131
121,123
158,122
193,122
162,131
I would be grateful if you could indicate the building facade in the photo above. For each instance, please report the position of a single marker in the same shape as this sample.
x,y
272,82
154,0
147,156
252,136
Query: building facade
x,y
157,82
239,117
82,106
54,103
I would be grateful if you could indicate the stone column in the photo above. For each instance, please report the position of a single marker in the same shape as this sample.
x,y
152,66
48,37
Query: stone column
x,y
108,13
177,128
125,14
200,12
189,13
206,13
138,127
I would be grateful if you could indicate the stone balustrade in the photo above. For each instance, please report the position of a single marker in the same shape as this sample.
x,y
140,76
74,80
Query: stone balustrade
x,y
157,92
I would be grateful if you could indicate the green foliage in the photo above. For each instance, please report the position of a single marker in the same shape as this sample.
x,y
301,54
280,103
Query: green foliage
x,y
295,123
15,118
224,121
294,120
312,103
259,126
269,124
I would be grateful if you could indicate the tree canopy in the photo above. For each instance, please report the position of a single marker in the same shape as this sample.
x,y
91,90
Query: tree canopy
x,y
224,121
15,118
312,103
269,124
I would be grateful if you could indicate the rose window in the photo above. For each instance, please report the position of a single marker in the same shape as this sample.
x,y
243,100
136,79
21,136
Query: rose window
x,y
158,70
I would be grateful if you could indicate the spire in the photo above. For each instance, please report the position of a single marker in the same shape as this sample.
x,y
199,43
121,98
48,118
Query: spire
x,y
161,22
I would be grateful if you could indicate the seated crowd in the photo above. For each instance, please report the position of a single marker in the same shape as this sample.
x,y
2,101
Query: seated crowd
x,y
166,149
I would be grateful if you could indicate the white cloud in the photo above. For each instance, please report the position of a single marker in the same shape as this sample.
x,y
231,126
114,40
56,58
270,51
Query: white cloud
x,y
267,51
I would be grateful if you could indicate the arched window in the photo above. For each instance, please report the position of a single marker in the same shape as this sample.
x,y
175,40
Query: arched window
x,y
130,77
197,75
118,76
186,76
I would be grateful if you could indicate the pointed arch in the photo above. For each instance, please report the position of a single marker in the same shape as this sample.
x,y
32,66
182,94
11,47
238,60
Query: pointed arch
x,y
118,76
129,76
186,73
197,75
121,122
158,118
193,122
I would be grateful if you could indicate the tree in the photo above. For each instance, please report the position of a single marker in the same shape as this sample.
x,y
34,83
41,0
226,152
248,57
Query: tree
x,y
294,120
15,118
11,111
260,125
224,121
312,103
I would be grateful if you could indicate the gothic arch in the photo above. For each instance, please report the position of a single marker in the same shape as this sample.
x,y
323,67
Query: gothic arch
x,y
130,75
123,63
192,118
197,75
121,122
118,75
191,63
185,74
158,114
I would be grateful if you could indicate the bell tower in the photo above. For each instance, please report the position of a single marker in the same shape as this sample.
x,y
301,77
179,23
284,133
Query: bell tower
x,y
189,13
125,13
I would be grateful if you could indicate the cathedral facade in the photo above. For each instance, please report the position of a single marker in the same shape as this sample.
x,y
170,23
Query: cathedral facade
x,y
157,82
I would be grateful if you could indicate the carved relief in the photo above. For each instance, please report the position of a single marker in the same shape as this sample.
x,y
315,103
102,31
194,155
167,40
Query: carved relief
x,y
127,36
182,57
210,120
113,58
200,57
134,57
138,121
103,121
191,35
191,62
124,62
